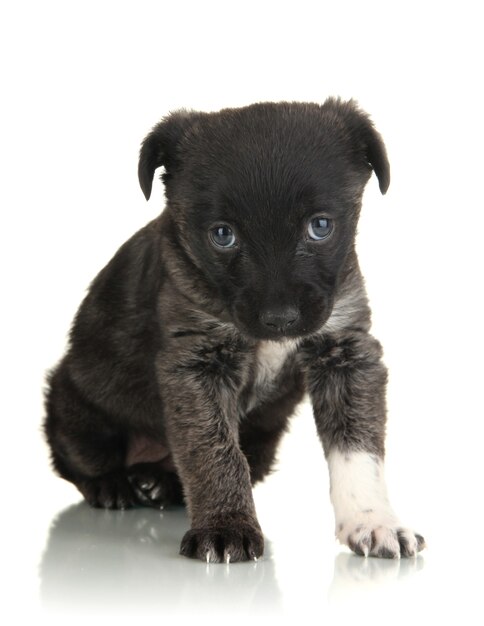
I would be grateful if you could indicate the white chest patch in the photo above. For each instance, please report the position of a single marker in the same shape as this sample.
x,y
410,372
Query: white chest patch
x,y
271,356
270,359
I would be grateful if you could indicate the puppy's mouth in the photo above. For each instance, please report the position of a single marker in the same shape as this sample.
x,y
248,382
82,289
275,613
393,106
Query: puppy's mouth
x,y
279,325
275,335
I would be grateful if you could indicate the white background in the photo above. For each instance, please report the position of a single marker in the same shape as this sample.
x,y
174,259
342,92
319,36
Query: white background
x,y
82,83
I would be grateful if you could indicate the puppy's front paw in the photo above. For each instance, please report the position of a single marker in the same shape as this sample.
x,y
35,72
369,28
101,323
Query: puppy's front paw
x,y
381,538
223,544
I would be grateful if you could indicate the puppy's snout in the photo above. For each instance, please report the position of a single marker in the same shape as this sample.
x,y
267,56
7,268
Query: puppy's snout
x,y
279,319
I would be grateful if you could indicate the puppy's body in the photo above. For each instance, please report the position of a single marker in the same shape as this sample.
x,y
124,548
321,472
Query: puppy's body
x,y
199,338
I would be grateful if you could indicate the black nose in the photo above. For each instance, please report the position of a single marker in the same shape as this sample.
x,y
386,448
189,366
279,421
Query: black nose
x,y
279,319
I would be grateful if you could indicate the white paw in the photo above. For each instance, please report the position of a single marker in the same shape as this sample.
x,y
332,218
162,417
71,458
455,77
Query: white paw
x,y
373,535
365,521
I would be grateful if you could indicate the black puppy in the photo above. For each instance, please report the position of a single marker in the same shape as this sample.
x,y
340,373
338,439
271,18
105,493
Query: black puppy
x,y
199,338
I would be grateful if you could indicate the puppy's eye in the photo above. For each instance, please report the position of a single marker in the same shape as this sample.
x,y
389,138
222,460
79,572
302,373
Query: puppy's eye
x,y
222,236
320,228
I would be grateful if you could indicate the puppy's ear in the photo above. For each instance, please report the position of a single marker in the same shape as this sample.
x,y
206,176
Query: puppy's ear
x,y
376,154
369,140
160,147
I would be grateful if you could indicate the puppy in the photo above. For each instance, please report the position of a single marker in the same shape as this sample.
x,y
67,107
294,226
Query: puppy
x,y
196,342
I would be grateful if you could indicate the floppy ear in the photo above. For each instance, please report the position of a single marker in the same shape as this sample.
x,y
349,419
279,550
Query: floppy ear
x,y
369,140
376,155
160,147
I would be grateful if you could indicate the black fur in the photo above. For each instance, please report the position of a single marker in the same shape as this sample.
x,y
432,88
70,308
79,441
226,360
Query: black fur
x,y
169,390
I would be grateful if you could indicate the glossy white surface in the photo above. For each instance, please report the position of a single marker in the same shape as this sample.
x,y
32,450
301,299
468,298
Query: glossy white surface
x,y
66,560
82,82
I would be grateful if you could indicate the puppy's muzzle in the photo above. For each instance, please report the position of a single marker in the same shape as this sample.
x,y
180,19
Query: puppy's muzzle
x,y
279,319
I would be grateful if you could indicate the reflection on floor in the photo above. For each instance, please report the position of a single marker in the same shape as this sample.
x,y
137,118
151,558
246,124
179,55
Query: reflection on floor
x,y
98,559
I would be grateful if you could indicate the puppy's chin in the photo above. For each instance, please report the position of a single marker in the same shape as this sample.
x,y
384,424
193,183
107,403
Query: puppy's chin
x,y
258,332
265,335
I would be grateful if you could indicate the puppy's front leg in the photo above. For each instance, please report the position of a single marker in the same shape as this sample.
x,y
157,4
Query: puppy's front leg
x,y
199,385
347,381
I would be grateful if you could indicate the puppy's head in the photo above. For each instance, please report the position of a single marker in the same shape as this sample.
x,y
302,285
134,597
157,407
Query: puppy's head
x,y
265,201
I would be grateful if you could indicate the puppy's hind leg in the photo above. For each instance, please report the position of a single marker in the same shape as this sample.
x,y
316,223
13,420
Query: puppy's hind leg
x,y
151,472
85,448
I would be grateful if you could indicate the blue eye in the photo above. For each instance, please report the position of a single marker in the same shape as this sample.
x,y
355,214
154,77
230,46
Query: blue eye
x,y
320,228
222,236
